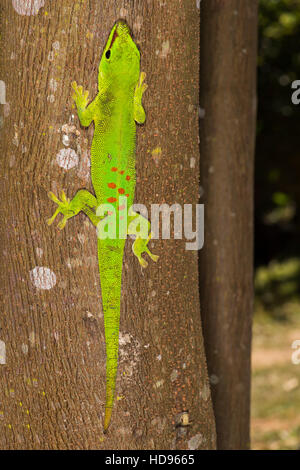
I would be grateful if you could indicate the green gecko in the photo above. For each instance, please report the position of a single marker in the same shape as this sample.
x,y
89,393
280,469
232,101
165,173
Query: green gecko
x,y
115,111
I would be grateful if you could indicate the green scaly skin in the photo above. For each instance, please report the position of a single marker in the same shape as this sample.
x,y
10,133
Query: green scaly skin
x,y
115,110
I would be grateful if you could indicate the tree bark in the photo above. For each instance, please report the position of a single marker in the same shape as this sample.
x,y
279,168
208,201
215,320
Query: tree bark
x,y
52,387
228,82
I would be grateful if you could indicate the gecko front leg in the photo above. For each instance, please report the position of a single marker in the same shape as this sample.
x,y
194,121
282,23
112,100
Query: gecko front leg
x,y
83,201
86,113
139,112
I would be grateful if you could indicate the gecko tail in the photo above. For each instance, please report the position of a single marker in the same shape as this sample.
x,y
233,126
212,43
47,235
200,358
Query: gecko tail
x,y
107,418
111,375
110,393
110,254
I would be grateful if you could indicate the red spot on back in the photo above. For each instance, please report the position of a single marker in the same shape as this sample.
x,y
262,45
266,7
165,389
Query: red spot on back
x,y
114,168
121,191
128,177
127,195
112,185
111,199
122,172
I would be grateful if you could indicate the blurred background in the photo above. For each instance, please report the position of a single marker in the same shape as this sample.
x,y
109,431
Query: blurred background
x,y
276,380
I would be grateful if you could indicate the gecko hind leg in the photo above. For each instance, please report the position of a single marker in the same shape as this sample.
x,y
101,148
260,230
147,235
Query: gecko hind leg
x,y
140,244
82,201
139,247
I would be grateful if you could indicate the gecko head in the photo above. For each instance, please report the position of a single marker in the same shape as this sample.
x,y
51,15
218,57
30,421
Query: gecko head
x,y
120,62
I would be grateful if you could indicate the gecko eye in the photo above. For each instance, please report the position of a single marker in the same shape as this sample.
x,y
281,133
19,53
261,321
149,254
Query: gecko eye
x,y
107,54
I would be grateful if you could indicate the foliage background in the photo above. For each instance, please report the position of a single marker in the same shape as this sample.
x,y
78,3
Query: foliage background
x,y
276,381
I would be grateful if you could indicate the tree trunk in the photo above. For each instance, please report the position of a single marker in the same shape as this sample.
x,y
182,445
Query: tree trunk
x,y
228,71
52,385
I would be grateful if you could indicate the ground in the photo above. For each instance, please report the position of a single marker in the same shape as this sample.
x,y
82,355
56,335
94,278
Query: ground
x,y
275,379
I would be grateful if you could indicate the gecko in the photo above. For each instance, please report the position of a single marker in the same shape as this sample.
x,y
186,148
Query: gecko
x,y
115,111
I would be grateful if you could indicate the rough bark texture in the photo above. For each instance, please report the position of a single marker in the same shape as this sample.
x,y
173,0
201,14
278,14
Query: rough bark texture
x,y
228,79
52,388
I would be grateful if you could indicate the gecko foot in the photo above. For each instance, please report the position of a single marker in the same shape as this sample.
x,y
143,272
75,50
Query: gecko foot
x,y
80,97
63,208
139,247
141,87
